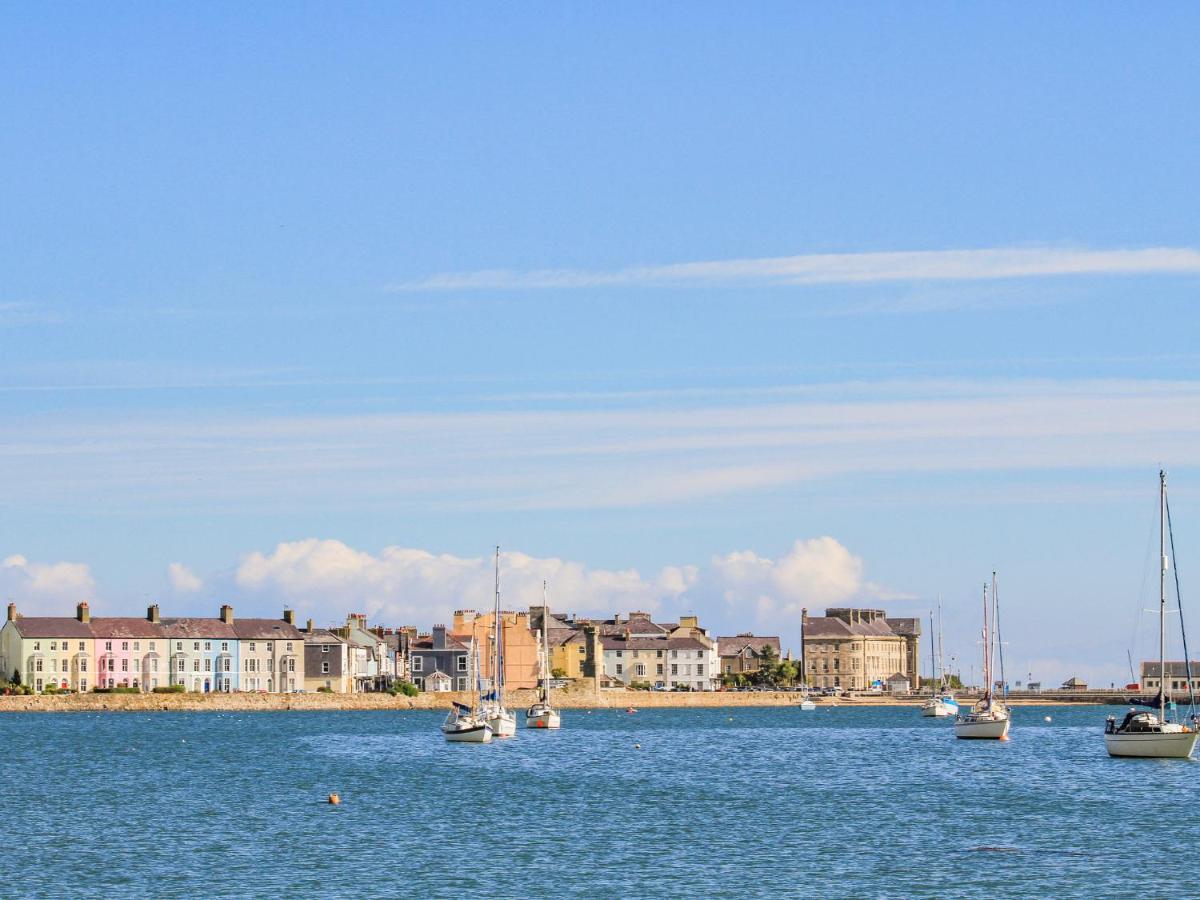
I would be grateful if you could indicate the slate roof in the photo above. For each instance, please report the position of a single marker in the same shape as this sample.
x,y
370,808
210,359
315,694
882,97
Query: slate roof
x,y
905,627
1175,669
52,627
733,646
425,642
635,643
322,636
266,630
199,629
829,627
126,627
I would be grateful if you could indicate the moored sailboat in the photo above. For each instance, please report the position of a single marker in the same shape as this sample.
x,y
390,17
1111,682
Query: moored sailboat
x,y
541,714
503,723
1145,734
465,724
942,704
989,717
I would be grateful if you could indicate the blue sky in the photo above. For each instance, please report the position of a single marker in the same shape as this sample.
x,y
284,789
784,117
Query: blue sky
x,y
242,310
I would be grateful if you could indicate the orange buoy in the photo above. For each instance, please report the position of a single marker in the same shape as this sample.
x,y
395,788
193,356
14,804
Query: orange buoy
x,y
334,799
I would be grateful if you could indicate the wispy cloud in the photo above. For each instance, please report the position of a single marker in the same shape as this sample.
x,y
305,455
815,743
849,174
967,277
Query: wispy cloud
x,y
834,268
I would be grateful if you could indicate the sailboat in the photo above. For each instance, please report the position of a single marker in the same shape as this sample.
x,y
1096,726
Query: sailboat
x,y
989,717
502,722
542,714
1144,734
942,703
465,724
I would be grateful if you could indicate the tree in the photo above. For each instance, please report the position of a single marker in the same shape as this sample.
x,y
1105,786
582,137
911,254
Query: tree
x,y
787,672
16,679
558,673
768,665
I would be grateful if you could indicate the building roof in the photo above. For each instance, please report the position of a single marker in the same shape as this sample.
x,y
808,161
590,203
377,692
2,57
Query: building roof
x,y
322,636
51,627
424,643
896,676
686,643
266,630
199,629
638,626
905,627
634,643
126,627
830,627
738,643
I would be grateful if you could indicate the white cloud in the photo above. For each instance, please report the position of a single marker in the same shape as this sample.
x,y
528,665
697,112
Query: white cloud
x,y
835,268
325,579
183,580
45,588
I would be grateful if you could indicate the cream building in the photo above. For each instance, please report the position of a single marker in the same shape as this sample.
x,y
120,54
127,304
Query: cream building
x,y
49,650
852,649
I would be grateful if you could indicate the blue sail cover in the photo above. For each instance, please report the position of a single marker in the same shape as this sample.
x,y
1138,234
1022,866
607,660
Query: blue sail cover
x,y
460,707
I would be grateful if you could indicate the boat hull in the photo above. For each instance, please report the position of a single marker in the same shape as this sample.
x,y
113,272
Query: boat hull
x,y
982,729
1176,745
938,709
807,705
470,734
547,718
503,724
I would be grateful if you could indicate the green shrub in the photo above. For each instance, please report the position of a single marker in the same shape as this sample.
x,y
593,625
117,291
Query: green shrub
x,y
117,690
171,689
639,685
407,688
324,690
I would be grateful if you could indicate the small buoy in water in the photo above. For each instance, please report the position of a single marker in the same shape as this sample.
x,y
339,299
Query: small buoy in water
x,y
630,709
183,740
637,746
334,799
1048,719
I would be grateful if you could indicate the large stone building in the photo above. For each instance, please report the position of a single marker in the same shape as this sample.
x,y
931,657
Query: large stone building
x,y
856,649
1177,677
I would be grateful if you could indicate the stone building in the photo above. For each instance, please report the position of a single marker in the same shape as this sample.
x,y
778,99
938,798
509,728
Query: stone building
x,y
1177,677
326,662
852,649
740,654
520,648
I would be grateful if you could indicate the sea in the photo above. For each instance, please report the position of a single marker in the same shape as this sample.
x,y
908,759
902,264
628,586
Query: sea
x,y
697,803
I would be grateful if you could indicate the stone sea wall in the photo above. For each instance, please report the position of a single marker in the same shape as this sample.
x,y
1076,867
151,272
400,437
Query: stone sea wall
x,y
576,698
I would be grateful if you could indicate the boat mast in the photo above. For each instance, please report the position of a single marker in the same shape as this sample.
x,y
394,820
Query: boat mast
x,y
999,638
1162,595
545,647
496,678
941,660
987,648
933,686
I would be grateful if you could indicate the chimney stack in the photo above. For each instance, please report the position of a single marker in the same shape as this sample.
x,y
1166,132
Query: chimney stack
x,y
289,616
82,613
152,614
310,626
227,614
12,612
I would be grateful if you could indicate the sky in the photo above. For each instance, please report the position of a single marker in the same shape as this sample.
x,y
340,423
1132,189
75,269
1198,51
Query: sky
x,y
692,308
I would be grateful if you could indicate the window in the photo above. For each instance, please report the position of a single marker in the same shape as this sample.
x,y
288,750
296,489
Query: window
x,y
208,645
108,645
208,665
618,668
660,669
270,646
66,666
462,664
81,647
83,684
325,667
462,684
618,654
154,665
111,663
195,665
137,645
83,665
54,645
179,645
252,646
180,666
125,646
151,646
289,647
674,654
124,665
195,645
291,665
674,669
700,669
324,648
658,653
418,663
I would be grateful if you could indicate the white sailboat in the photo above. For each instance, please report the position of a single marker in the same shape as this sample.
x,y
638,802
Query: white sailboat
x,y
503,723
942,704
542,714
989,717
1144,734
465,724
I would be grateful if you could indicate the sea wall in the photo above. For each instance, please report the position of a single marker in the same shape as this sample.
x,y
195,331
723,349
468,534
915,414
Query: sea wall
x,y
577,698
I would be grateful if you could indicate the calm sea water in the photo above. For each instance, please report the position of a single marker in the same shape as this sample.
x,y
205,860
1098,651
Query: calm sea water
x,y
832,803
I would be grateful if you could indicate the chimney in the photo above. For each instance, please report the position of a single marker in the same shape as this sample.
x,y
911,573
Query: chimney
x,y
289,616
83,614
310,626
227,614
12,612
152,613
439,637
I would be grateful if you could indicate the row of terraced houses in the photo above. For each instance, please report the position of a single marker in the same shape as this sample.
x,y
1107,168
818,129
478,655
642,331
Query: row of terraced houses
x,y
848,648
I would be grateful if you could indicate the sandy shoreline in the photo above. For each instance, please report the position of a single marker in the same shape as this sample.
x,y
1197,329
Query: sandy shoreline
x,y
518,700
